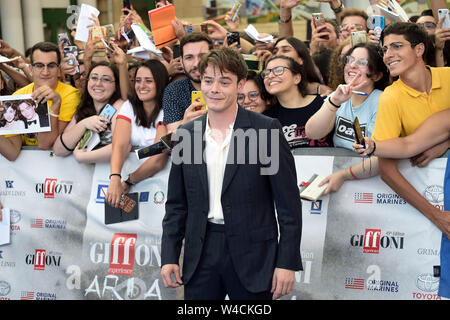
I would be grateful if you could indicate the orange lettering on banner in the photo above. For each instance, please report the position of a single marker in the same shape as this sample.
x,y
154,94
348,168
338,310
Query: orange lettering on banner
x,y
122,254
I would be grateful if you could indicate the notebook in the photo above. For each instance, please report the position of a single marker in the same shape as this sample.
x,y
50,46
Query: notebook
x,y
128,210
160,23
310,190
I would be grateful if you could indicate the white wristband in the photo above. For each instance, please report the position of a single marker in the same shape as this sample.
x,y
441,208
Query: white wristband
x,y
53,114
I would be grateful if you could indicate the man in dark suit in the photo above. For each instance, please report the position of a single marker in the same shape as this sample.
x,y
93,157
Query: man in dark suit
x,y
228,170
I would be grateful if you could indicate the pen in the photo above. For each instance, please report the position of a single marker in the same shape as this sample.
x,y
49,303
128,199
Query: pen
x,y
360,93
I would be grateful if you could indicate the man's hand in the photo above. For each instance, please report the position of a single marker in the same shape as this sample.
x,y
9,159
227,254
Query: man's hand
x,y
421,160
441,219
175,67
289,4
333,3
190,113
166,273
44,94
215,30
372,37
178,26
6,50
232,25
118,56
282,282
441,35
319,37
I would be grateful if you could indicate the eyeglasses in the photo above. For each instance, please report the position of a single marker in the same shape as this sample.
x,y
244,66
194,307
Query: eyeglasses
x,y
358,27
361,62
428,25
395,47
52,66
103,80
252,96
277,71
218,41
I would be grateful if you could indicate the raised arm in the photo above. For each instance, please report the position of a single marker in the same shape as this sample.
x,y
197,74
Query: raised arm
x,y
285,26
434,130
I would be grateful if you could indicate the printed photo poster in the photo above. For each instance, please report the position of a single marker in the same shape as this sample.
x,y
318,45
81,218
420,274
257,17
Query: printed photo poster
x,y
20,114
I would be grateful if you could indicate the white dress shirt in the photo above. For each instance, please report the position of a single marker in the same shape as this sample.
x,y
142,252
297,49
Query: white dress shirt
x,y
216,160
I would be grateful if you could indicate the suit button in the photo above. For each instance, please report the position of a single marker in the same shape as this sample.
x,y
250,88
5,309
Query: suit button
x,y
201,239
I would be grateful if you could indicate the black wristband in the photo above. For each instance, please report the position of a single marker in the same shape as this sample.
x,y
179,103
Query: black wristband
x,y
285,21
64,145
373,151
115,174
331,102
338,9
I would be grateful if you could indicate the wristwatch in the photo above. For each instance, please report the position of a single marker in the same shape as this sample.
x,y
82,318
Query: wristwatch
x,y
338,9
128,181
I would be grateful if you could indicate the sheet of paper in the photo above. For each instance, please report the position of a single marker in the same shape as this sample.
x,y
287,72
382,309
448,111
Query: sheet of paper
x,y
4,59
5,227
83,21
254,34
143,39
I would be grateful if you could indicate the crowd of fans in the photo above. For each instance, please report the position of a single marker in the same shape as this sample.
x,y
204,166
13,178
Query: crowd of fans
x,y
315,88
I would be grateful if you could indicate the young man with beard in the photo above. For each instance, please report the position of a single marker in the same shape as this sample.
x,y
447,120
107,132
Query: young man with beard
x,y
224,209
419,92
177,95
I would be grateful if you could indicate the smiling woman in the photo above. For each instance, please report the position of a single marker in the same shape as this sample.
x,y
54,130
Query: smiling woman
x,y
253,95
102,88
287,81
139,124
365,76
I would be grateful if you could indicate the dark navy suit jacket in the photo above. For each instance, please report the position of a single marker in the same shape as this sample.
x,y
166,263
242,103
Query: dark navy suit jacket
x,y
248,200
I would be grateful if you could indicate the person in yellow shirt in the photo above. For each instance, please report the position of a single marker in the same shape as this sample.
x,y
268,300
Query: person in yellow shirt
x,y
419,92
10,146
62,99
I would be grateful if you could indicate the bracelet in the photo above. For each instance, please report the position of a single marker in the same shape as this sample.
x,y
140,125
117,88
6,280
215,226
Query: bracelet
x,y
353,175
331,102
338,9
373,150
64,145
115,174
285,21
347,174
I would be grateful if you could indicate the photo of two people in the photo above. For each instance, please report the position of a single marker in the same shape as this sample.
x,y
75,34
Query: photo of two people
x,y
21,114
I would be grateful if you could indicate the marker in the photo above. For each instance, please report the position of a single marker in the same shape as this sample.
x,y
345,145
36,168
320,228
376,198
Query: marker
x,y
360,93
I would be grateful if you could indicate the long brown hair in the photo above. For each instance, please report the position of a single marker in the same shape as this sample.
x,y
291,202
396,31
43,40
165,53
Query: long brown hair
x,y
161,78
86,107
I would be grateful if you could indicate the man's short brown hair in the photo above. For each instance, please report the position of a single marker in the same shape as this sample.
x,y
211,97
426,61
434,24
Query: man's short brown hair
x,y
226,59
46,46
350,12
195,37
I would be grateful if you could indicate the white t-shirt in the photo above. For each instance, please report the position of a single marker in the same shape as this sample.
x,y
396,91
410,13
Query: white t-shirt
x,y
140,136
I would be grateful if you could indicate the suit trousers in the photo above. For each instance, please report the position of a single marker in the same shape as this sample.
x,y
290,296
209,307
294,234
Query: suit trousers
x,y
215,276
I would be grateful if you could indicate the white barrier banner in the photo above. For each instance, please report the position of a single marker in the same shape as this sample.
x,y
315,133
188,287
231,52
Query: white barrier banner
x,y
363,242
